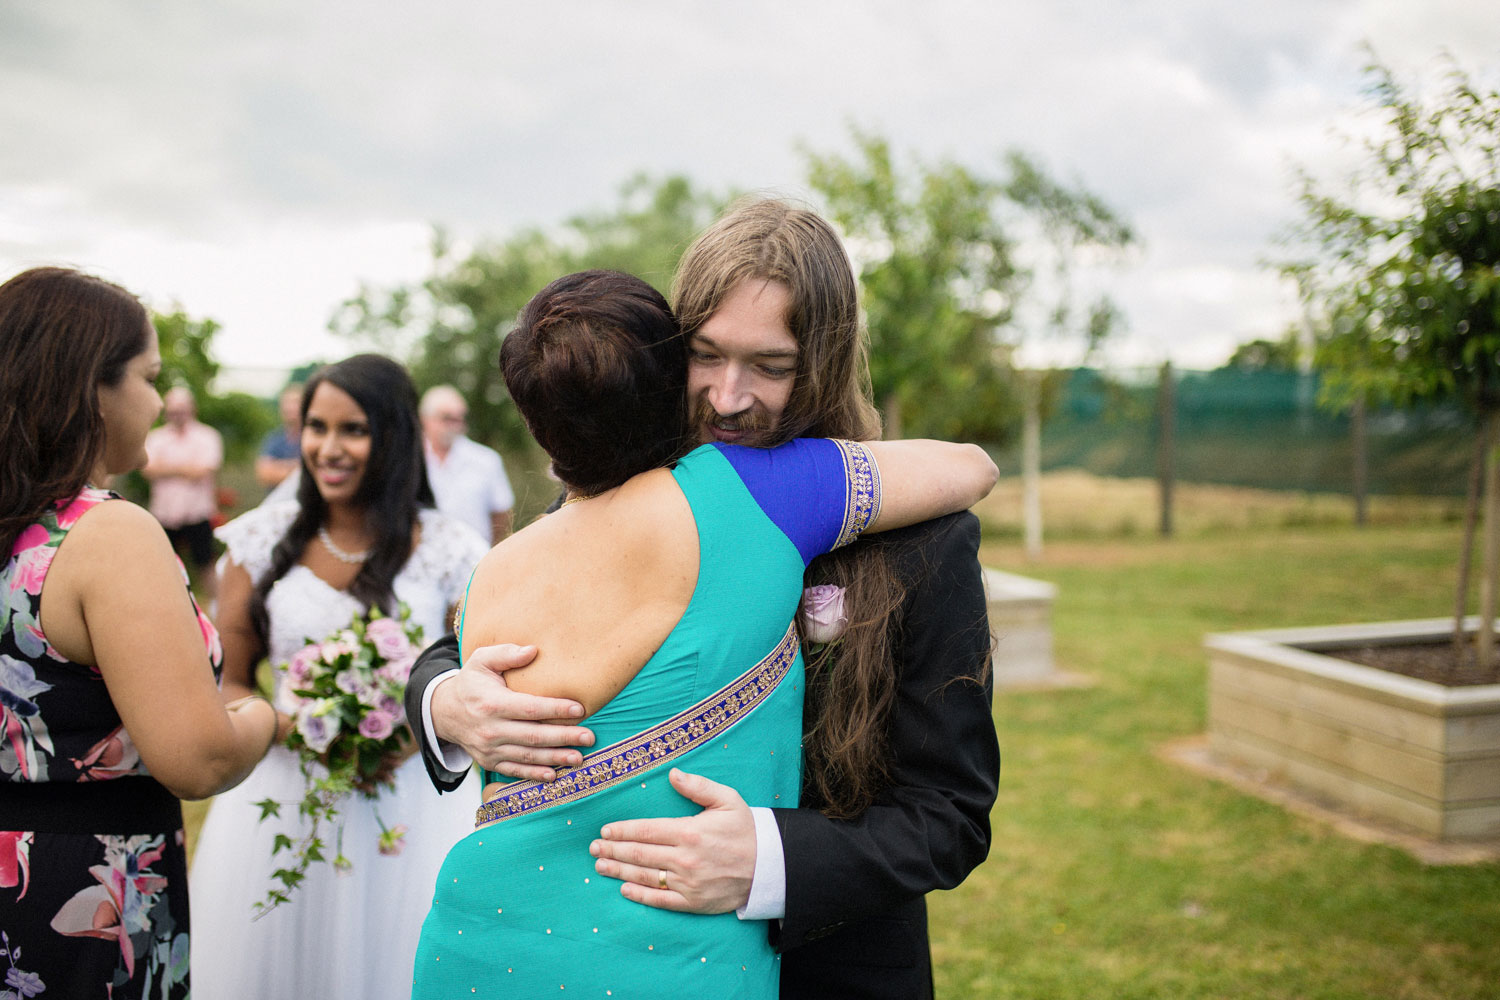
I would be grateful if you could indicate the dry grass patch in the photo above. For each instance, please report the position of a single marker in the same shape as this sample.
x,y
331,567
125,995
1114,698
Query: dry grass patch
x,y
1079,504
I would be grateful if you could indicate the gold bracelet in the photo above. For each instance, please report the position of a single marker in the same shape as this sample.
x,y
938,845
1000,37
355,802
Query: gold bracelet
x,y
275,725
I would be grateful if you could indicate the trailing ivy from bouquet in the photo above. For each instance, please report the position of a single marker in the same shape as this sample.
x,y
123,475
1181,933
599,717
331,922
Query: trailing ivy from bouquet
x,y
348,730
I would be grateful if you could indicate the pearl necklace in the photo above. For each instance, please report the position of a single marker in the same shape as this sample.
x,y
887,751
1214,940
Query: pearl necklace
x,y
352,558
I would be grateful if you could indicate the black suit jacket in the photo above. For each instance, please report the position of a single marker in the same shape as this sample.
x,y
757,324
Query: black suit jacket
x,y
856,919
436,659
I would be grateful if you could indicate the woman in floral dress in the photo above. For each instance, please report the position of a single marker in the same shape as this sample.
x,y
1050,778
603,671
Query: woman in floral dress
x,y
109,704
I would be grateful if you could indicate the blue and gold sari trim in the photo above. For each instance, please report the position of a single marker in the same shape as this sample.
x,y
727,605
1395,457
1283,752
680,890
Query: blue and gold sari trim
x,y
864,490
647,750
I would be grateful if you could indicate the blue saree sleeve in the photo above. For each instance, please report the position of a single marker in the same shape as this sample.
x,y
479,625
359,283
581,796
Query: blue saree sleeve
x,y
821,492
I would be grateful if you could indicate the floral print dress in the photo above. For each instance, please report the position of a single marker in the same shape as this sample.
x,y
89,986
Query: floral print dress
x,y
93,883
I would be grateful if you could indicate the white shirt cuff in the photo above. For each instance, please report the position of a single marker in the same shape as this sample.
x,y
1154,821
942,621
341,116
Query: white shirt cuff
x,y
453,756
768,886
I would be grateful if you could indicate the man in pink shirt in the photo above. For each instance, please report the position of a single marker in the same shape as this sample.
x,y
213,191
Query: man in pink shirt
x,y
183,458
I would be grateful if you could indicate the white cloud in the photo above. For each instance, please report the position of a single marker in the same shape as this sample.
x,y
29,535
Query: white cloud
x,y
257,160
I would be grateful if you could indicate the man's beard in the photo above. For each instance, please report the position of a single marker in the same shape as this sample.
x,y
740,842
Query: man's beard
x,y
753,424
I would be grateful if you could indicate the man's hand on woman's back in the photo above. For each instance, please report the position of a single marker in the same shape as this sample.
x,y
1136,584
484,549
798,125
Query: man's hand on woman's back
x,y
518,735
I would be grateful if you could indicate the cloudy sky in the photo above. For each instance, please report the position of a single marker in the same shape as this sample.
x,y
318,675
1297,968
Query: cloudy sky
x,y
255,160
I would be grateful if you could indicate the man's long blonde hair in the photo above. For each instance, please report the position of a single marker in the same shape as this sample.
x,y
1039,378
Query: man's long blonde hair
x,y
771,240
852,684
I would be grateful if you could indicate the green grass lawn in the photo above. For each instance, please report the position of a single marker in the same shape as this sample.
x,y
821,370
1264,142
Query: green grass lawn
x,y
1117,874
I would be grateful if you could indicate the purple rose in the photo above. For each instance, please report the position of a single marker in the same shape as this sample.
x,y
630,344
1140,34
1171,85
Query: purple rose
x,y
377,725
391,705
317,730
300,667
389,638
822,613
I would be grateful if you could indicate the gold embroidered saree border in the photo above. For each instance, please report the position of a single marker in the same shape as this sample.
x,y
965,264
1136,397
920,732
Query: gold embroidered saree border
x,y
666,741
864,490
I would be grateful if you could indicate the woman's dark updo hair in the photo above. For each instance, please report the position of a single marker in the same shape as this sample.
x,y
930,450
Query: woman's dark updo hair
x,y
598,369
393,489
63,334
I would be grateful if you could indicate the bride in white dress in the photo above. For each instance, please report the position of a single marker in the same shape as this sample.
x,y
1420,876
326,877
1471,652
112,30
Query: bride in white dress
x,y
362,532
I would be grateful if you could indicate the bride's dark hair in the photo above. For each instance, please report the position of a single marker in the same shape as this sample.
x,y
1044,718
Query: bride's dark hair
x,y
393,489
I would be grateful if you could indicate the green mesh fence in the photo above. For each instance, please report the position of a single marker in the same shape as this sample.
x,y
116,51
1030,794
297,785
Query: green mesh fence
x,y
1250,428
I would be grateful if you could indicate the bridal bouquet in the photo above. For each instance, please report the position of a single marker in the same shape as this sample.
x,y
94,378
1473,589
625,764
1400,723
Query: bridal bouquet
x,y
349,730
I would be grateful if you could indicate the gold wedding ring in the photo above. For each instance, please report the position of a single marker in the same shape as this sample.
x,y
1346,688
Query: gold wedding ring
x,y
661,878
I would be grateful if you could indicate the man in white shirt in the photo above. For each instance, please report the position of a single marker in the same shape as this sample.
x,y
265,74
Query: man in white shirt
x,y
468,480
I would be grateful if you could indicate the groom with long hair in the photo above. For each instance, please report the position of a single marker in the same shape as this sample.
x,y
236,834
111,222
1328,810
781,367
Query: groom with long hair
x,y
900,756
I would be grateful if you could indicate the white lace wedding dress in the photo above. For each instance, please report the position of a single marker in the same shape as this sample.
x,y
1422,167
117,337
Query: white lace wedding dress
x,y
342,935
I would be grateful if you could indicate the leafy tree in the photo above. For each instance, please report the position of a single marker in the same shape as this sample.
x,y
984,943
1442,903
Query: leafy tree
x,y
475,302
303,372
937,252
1070,223
648,231
187,360
1401,273
186,351
939,290
1262,355
449,328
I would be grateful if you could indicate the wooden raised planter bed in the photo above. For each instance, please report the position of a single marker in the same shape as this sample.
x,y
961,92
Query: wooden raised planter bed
x,y
1380,745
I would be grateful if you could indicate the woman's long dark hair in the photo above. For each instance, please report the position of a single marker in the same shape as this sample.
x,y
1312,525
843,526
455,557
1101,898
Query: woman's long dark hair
x,y
393,489
63,334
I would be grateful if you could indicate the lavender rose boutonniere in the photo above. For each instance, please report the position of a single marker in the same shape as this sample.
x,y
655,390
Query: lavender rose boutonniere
x,y
821,615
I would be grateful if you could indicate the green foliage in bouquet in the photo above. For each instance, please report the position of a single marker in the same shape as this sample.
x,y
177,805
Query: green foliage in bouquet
x,y
349,732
